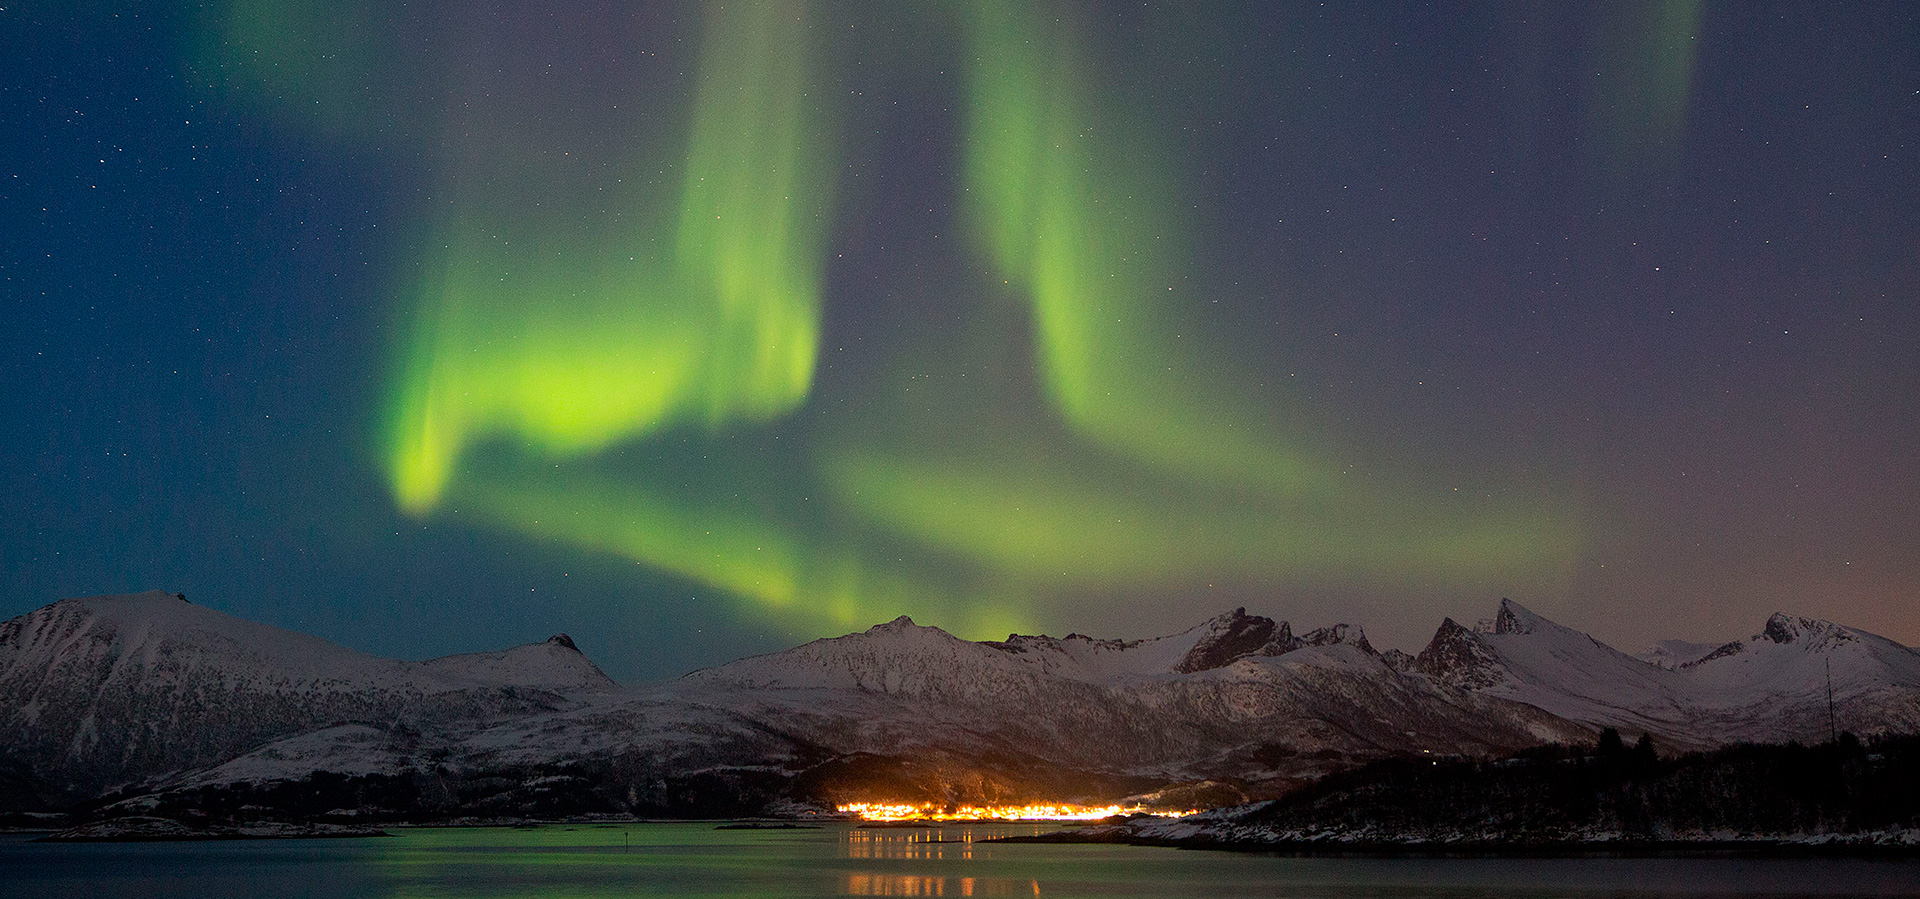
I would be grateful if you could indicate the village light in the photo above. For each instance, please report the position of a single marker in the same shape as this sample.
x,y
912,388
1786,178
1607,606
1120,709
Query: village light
x,y
889,811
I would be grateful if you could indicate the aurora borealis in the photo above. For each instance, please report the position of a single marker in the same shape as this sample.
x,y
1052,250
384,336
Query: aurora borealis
x,y
576,328
569,344
703,327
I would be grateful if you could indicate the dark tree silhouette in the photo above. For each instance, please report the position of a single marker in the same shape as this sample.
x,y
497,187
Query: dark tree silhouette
x,y
1643,758
1610,747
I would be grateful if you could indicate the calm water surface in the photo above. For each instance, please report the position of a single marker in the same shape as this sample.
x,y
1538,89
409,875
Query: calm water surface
x,y
696,860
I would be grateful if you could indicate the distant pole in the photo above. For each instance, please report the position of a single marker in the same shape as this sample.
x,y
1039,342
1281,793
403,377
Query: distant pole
x,y
1833,729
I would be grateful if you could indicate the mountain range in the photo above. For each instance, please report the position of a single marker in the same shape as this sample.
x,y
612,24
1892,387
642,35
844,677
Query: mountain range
x,y
148,702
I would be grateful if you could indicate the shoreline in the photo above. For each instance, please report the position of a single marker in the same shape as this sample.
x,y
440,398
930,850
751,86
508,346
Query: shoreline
x,y
1737,848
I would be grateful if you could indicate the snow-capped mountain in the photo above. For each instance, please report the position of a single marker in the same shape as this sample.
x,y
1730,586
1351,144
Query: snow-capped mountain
x,y
152,690
108,689
1208,702
1772,686
1675,653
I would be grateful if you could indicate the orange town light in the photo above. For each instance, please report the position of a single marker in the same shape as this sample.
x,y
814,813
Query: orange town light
x,y
900,811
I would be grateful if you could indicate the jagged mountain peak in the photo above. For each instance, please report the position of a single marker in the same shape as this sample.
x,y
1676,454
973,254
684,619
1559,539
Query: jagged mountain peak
x,y
1230,619
1227,637
127,686
1513,621
1453,632
1802,643
555,663
898,656
1780,628
1691,694
157,634
1400,660
1459,656
157,628
112,689
1514,618
1784,628
898,624
1236,635
1341,633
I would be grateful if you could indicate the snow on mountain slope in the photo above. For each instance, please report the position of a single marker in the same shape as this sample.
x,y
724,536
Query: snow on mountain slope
x,y
902,657
553,664
1780,677
1203,703
1087,659
1675,653
1796,658
347,749
926,662
112,688
162,638
148,688
1771,687
898,657
1574,676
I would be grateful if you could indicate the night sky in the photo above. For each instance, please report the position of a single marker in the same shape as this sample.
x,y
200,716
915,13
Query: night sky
x,y
700,330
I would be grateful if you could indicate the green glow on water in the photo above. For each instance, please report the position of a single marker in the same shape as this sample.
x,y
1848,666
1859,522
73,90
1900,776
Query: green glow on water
x,y
694,859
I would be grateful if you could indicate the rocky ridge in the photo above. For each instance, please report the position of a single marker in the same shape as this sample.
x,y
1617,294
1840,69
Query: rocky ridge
x,y
155,703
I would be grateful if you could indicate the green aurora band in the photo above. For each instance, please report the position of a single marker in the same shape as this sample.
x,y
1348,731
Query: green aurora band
x,y
577,340
1643,98
627,365
1070,207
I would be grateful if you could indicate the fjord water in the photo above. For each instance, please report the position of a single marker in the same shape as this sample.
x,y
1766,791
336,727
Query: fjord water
x,y
643,860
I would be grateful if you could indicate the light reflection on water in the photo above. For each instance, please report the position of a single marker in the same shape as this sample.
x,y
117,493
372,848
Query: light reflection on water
x,y
869,884
647,860
937,842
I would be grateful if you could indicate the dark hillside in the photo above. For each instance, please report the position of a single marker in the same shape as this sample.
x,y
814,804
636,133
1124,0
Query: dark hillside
x,y
1607,792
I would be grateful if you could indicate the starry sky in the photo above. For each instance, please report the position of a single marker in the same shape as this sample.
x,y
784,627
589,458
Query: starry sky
x,y
700,329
